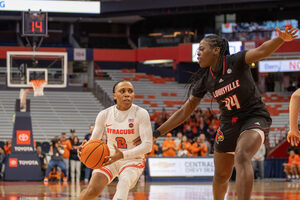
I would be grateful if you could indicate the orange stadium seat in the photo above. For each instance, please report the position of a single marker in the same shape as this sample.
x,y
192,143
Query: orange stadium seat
x,y
139,96
151,97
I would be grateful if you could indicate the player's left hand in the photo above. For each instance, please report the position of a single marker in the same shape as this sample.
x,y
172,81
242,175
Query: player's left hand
x,y
113,158
288,35
293,137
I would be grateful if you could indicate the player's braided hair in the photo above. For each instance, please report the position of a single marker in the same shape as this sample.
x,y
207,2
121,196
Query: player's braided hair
x,y
213,41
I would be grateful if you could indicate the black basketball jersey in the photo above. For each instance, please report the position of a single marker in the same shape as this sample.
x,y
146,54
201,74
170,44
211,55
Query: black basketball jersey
x,y
233,88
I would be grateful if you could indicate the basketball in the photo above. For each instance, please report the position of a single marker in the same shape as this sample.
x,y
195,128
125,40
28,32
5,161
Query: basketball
x,y
93,154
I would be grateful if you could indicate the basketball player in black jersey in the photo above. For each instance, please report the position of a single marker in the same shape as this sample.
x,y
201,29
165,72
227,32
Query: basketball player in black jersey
x,y
244,118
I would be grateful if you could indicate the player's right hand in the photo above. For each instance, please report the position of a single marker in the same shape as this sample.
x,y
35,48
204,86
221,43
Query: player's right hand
x,y
80,148
293,137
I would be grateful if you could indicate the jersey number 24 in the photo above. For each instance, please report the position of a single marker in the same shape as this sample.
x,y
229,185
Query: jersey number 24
x,y
232,101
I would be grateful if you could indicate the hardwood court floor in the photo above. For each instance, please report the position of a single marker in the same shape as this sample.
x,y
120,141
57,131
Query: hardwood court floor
x,y
262,190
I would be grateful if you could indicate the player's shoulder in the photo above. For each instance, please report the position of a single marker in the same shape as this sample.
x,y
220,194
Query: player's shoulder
x,y
237,56
139,110
106,111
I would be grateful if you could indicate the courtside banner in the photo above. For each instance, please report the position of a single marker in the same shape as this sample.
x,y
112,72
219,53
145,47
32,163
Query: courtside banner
x,y
181,191
181,167
279,66
88,7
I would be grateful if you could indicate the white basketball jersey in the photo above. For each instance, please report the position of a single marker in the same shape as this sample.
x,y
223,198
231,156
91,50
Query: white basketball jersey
x,y
122,127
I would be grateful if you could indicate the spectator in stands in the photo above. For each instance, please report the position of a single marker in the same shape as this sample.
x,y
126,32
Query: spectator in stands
x,y
294,135
290,168
211,134
184,147
244,117
66,144
188,132
163,116
75,163
72,135
2,163
178,139
88,135
203,126
7,147
199,148
153,151
169,146
258,161
56,151
43,159
88,171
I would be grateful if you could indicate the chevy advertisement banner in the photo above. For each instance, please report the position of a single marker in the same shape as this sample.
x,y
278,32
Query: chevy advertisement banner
x,y
181,167
279,66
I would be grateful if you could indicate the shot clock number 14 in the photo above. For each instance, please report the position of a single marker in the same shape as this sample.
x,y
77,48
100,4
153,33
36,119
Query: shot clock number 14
x,y
35,24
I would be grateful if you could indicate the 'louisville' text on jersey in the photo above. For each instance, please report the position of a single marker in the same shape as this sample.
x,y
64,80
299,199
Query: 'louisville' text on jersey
x,y
227,88
119,131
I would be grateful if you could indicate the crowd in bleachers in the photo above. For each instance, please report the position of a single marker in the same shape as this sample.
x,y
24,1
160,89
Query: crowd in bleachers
x,y
195,137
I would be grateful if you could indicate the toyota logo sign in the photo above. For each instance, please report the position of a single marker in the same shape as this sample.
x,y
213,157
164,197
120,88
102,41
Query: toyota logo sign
x,y
23,137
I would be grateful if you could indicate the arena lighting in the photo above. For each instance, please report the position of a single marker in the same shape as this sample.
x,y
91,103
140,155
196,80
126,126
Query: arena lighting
x,y
61,6
160,61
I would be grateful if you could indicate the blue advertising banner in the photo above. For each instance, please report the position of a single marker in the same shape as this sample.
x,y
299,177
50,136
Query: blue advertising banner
x,y
23,163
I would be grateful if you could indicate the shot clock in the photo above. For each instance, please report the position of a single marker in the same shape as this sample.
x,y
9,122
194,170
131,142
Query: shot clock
x,y
35,24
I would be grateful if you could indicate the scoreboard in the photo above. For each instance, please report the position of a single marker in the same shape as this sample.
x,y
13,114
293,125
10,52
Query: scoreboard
x,y
35,24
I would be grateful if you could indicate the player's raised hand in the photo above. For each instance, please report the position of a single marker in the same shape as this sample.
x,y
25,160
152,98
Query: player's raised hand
x,y
113,158
80,149
293,137
288,35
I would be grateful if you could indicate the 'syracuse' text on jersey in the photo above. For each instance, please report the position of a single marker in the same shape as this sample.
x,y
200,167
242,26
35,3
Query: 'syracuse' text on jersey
x,y
233,88
122,127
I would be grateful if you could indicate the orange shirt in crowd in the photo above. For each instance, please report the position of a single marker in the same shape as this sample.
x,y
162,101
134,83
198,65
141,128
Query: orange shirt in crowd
x,y
186,146
171,151
7,149
154,149
293,159
199,151
67,147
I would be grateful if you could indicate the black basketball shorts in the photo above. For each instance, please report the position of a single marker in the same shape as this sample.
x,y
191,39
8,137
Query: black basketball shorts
x,y
228,133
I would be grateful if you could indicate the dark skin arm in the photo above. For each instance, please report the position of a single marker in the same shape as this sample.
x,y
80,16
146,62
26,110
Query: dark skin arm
x,y
270,46
180,115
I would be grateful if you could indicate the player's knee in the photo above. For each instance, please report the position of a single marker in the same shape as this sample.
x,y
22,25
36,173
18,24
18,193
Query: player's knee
x,y
125,181
222,176
242,157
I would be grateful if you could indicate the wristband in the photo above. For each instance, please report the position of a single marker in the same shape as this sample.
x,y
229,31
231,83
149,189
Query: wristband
x,y
156,133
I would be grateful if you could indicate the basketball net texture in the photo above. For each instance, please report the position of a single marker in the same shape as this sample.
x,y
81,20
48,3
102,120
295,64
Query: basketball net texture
x,y
38,87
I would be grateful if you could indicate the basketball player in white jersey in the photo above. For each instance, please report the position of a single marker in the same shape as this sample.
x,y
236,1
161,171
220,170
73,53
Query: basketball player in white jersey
x,y
123,123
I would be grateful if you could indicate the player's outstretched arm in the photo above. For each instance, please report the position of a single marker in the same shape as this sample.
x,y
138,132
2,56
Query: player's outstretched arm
x,y
178,117
294,135
270,46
